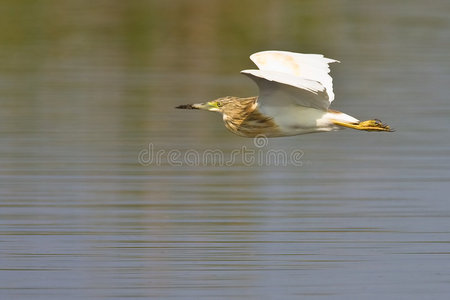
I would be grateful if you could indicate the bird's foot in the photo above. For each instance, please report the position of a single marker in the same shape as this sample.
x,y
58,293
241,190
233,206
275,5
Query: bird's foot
x,y
373,125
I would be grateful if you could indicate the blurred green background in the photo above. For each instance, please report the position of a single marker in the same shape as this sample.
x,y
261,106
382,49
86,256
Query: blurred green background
x,y
86,85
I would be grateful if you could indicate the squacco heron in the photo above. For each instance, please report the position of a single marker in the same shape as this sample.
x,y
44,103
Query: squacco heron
x,y
295,92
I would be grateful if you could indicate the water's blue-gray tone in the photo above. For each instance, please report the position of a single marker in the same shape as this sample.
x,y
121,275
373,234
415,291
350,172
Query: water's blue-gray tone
x,y
94,203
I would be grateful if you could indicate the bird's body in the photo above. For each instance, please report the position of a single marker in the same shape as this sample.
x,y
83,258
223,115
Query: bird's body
x,y
252,121
295,94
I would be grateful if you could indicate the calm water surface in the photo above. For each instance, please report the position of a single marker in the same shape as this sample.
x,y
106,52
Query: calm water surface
x,y
88,209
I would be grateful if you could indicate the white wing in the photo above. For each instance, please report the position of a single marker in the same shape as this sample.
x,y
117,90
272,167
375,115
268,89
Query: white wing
x,y
292,77
281,89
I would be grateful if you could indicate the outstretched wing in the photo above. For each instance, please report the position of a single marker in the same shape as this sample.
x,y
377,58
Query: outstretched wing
x,y
286,78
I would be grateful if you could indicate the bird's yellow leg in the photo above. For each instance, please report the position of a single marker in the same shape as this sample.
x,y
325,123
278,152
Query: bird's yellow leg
x,y
369,125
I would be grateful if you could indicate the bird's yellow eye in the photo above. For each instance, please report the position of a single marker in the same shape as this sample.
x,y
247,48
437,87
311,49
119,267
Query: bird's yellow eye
x,y
219,104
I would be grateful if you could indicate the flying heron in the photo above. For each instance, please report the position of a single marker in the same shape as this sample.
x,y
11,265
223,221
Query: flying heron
x,y
295,92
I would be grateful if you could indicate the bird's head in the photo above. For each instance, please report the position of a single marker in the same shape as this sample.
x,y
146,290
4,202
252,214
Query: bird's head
x,y
226,105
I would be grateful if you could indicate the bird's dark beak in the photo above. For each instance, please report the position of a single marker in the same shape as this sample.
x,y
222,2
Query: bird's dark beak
x,y
187,106
204,106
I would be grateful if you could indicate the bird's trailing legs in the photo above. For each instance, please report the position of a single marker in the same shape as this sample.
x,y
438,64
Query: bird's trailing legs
x,y
369,125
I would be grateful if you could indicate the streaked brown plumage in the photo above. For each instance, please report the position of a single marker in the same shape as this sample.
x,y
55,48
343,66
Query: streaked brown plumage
x,y
242,117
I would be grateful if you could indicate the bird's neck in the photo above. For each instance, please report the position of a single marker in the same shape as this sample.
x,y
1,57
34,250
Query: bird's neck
x,y
249,121
234,118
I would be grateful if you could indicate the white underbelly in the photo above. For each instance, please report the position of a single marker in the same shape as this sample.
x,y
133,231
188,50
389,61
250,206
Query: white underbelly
x,y
296,120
